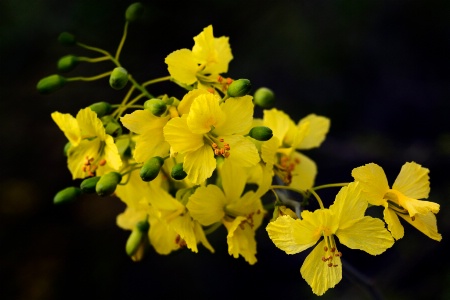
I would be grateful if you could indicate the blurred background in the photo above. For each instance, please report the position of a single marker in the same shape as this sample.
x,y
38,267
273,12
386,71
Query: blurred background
x,y
378,69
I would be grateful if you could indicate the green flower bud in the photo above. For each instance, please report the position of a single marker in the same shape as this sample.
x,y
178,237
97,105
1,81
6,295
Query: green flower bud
x,y
66,148
66,195
67,39
151,168
88,185
137,237
101,108
112,126
67,63
261,133
50,84
264,97
118,78
108,183
134,12
156,106
177,172
239,88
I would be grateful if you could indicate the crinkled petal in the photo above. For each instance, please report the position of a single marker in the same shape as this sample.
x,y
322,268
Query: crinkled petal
x,y
241,240
291,236
184,226
426,224
233,180
315,134
349,206
415,207
413,181
367,234
318,274
143,121
373,182
394,225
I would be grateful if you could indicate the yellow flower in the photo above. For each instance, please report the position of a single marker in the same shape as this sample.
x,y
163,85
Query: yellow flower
x,y
211,129
294,168
208,58
401,200
150,141
91,148
241,213
344,219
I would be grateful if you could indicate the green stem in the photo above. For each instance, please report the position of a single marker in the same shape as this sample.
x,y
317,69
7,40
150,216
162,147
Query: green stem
x,y
93,60
212,228
81,78
284,187
317,198
329,185
156,80
122,41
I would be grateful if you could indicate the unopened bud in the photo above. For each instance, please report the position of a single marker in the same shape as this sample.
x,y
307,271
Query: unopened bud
x,y
112,126
156,106
67,63
264,97
66,195
118,78
151,168
66,148
239,88
108,183
50,84
261,133
88,185
67,39
177,172
134,12
101,108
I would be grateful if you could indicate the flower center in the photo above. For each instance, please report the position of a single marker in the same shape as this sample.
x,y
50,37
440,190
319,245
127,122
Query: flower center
x,y
394,202
331,252
220,147
285,168
90,165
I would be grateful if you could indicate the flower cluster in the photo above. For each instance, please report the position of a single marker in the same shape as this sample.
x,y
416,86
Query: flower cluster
x,y
184,167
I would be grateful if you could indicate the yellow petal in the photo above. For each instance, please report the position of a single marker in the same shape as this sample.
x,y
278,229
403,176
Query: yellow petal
x,y
413,181
233,180
241,240
112,156
373,182
69,126
415,207
304,173
205,114
180,138
185,103
279,122
162,236
199,164
90,125
242,151
143,121
184,226
203,49
318,274
318,127
393,223
291,236
348,205
426,224
224,56
130,217
182,66
239,112
367,234
207,205
201,237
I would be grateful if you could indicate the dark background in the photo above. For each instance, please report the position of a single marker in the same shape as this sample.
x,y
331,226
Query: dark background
x,y
378,69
